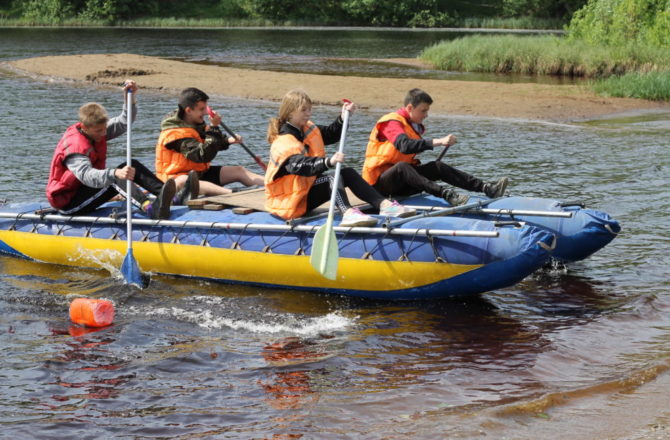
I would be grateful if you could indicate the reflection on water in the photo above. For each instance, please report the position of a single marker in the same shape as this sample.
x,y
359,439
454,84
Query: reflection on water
x,y
187,358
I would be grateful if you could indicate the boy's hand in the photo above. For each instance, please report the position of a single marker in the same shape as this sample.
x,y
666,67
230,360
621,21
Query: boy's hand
x,y
214,118
131,85
125,173
446,141
237,139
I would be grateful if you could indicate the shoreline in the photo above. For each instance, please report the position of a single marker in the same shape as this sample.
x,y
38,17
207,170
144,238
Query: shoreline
x,y
526,101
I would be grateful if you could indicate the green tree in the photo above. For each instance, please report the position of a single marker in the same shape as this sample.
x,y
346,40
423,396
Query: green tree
x,y
48,11
621,22
559,9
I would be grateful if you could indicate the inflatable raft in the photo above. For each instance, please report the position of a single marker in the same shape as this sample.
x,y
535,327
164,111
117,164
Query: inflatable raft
x,y
580,231
441,252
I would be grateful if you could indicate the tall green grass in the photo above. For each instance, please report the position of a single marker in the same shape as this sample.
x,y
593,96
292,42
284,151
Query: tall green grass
x,y
510,23
543,55
654,86
632,70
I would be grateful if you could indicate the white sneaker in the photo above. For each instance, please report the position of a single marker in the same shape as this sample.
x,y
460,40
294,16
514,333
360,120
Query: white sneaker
x,y
391,208
354,217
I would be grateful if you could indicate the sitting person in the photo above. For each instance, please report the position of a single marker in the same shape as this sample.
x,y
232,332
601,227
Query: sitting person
x,y
295,182
187,146
390,159
79,181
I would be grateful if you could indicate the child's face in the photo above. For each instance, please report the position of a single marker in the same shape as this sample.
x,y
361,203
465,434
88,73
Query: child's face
x,y
298,118
419,113
196,114
95,132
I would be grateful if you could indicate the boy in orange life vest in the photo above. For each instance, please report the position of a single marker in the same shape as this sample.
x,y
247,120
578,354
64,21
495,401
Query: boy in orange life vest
x,y
390,159
294,180
187,146
79,181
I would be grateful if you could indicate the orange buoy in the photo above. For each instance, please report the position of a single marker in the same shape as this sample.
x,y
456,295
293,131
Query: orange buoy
x,y
92,312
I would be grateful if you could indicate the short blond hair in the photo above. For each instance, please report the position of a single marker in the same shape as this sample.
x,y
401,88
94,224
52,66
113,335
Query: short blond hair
x,y
92,113
293,100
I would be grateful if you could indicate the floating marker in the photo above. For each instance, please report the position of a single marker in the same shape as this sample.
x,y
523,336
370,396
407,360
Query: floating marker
x,y
92,312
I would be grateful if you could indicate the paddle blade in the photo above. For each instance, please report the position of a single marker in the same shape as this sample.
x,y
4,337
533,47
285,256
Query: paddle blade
x,y
131,271
325,253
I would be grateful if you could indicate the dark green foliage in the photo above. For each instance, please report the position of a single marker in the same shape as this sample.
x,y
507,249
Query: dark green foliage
x,y
401,13
617,22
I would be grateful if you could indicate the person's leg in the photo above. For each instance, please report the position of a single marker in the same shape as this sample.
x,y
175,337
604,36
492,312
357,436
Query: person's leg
x,y
321,191
188,187
362,189
403,179
230,174
440,171
145,178
209,182
87,199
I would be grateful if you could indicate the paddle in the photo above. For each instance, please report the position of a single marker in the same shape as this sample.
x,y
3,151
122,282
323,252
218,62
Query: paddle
x,y
325,252
258,160
444,151
130,269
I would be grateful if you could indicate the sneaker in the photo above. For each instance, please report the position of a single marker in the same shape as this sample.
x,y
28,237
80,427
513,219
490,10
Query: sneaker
x,y
391,208
354,217
495,190
189,191
454,198
159,209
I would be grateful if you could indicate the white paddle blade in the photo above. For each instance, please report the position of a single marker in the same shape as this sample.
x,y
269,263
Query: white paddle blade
x,y
325,253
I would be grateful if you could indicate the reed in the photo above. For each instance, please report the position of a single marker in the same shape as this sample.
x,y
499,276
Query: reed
x,y
543,55
511,23
653,85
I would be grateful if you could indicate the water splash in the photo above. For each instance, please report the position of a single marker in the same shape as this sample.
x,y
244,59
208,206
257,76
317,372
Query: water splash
x,y
275,323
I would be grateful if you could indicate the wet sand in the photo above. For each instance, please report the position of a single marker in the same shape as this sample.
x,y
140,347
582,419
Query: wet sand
x,y
559,103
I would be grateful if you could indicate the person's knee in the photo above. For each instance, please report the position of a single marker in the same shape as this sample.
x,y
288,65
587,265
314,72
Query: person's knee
x,y
348,172
404,169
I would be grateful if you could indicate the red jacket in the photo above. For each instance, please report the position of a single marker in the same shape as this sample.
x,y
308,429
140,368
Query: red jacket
x,y
62,183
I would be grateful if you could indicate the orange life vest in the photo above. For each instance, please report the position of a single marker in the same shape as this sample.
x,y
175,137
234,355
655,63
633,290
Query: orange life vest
x,y
382,155
171,163
62,184
286,196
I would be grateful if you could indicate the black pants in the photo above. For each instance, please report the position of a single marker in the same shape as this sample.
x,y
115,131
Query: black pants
x,y
322,188
87,199
404,179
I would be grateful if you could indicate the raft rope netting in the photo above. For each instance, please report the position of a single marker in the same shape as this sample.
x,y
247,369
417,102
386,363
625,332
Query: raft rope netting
x,y
64,224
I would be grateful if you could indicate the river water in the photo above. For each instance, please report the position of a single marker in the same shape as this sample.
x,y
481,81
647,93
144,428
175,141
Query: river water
x,y
563,354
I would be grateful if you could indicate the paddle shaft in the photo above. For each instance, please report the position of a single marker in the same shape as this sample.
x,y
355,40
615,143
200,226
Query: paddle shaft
x,y
232,133
129,183
444,151
336,182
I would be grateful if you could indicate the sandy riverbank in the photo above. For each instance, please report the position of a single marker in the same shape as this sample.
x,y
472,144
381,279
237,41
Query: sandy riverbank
x,y
475,98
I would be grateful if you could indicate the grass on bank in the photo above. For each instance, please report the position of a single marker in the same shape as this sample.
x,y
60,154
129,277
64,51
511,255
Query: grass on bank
x,y
632,70
654,86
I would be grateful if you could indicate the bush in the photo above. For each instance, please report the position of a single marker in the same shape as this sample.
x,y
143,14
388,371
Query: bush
x,y
620,22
